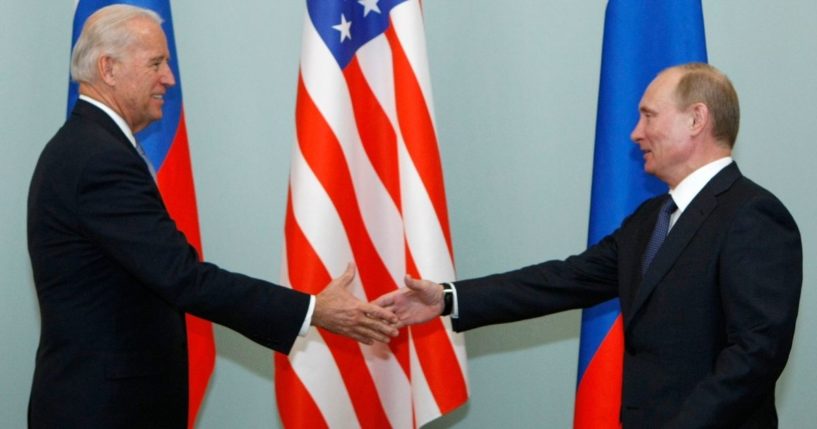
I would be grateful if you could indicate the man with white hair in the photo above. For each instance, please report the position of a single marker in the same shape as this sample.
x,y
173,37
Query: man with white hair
x,y
114,276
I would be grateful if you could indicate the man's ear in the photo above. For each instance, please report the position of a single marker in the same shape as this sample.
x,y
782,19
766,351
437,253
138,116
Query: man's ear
x,y
106,68
699,118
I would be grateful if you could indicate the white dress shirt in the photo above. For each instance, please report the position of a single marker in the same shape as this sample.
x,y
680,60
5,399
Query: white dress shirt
x,y
688,189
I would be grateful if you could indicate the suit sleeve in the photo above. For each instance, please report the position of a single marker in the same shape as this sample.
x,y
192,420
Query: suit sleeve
x,y
760,270
537,290
121,211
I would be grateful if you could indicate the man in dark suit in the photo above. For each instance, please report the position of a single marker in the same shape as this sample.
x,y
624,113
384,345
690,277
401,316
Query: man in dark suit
x,y
114,276
709,315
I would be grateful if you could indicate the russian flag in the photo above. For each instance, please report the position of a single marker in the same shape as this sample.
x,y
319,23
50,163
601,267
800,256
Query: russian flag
x,y
641,38
165,143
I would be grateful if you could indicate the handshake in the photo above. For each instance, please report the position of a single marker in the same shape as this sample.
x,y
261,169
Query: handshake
x,y
338,311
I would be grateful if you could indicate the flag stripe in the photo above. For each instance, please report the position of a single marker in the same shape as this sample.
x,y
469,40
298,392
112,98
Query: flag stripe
x,y
359,383
376,133
175,180
424,406
319,221
408,26
300,411
424,233
418,132
596,384
437,357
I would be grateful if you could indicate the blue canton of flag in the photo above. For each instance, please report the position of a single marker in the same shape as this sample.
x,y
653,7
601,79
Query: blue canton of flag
x,y
346,25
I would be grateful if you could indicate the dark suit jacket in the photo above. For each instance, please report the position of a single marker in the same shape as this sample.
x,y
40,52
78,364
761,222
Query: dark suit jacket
x,y
708,328
114,278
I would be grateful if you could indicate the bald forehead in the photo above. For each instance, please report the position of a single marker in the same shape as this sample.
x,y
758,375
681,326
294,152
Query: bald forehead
x,y
661,89
668,79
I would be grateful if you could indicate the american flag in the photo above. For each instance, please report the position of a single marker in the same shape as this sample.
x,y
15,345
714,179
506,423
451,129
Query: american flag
x,y
366,185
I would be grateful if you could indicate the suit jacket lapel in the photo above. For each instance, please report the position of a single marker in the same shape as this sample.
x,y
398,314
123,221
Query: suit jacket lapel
x,y
681,234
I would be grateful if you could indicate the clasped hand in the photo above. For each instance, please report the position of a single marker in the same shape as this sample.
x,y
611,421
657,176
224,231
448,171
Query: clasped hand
x,y
337,310
418,302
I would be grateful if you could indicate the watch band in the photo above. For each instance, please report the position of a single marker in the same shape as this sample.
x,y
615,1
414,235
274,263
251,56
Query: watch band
x,y
448,299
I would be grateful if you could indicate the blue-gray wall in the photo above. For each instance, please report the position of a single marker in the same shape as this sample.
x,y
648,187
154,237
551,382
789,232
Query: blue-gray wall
x,y
515,86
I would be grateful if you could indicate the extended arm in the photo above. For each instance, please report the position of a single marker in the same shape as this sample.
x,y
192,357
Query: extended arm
x,y
123,214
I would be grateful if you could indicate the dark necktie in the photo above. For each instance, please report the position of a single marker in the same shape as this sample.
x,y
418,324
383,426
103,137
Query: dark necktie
x,y
659,233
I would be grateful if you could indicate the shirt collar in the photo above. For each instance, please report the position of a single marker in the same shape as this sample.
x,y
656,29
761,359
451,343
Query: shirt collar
x,y
115,116
685,192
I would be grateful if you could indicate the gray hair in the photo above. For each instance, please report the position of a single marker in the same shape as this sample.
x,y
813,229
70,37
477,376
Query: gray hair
x,y
105,33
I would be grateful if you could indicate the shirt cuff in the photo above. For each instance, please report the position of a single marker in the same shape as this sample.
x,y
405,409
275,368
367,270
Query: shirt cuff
x,y
308,319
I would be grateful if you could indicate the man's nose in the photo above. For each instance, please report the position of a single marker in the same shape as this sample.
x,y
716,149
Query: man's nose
x,y
167,77
637,134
